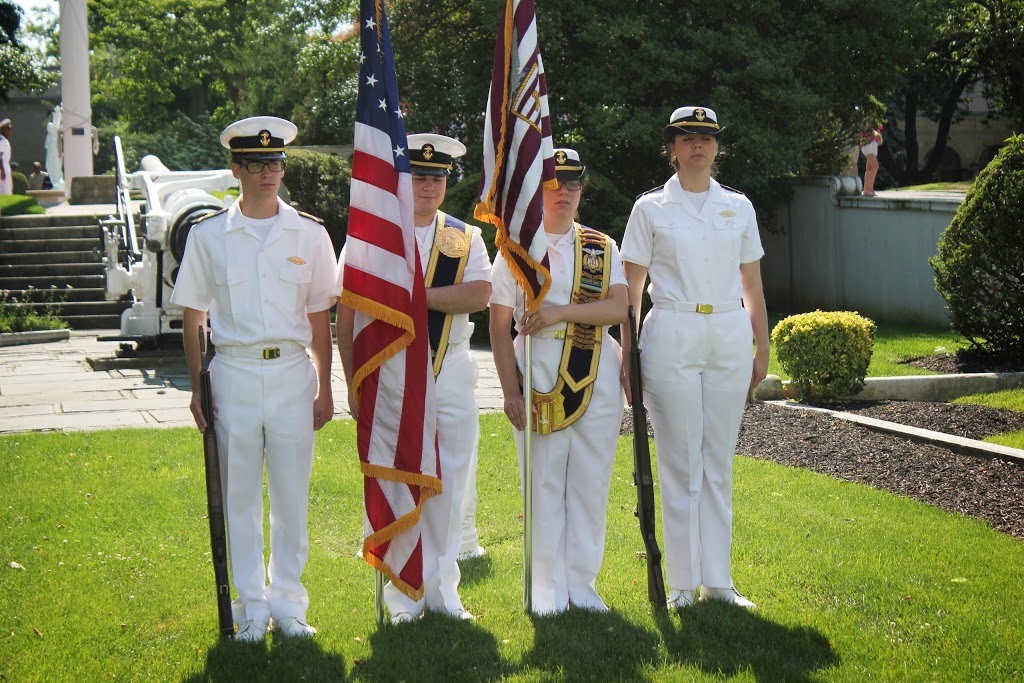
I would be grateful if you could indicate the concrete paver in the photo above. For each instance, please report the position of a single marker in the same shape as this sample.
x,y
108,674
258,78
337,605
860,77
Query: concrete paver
x,y
50,386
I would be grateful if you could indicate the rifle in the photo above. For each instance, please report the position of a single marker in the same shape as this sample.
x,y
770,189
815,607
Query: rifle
x,y
642,477
215,497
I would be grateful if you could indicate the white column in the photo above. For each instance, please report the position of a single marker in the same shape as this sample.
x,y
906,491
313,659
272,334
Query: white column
x,y
74,89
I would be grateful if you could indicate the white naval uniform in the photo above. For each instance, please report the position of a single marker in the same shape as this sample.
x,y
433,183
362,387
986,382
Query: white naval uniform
x,y
7,184
458,436
572,467
696,367
258,292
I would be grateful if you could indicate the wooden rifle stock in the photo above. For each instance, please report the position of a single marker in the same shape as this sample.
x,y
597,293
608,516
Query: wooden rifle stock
x,y
642,476
215,498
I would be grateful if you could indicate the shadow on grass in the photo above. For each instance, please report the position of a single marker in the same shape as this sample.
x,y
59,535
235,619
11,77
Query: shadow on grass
x,y
585,646
437,648
726,640
475,570
276,659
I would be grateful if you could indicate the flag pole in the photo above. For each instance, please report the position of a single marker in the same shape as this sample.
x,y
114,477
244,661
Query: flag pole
x,y
378,596
528,478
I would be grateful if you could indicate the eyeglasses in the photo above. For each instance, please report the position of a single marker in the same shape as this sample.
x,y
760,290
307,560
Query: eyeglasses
x,y
275,165
571,185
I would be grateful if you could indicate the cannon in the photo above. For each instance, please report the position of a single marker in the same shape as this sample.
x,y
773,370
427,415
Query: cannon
x,y
143,259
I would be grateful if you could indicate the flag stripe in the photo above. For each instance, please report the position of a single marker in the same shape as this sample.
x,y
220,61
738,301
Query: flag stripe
x,y
382,282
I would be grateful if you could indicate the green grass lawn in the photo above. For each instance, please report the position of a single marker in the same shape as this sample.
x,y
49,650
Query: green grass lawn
x,y
19,205
114,581
1012,399
960,186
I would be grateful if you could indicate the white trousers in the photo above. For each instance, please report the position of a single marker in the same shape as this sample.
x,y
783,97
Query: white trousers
x,y
470,537
572,470
696,371
265,415
458,434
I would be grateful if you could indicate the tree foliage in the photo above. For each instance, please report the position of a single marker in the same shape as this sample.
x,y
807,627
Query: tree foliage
x,y
19,70
979,269
163,66
964,44
784,80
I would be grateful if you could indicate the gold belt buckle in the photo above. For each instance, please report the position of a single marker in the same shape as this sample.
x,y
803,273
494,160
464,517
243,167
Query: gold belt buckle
x,y
271,353
705,308
559,334
545,413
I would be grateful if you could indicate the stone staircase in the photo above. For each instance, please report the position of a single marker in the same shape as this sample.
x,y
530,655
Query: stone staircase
x,y
54,261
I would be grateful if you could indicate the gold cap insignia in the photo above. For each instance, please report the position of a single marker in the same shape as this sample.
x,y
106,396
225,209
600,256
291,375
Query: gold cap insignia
x,y
297,260
560,157
428,151
265,138
727,214
699,114
452,242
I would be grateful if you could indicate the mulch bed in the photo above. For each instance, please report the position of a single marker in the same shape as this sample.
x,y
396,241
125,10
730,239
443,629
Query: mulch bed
x,y
989,489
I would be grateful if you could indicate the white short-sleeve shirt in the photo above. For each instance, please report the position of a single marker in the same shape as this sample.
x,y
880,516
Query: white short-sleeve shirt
x,y
692,256
505,290
257,291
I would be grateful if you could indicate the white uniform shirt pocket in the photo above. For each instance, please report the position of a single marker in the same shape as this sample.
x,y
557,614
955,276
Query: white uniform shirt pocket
x,y
295,281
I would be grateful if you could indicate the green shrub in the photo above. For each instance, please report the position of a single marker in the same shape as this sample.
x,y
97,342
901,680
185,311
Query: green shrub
x,y
19,205
19,182
318,184
826,354
20,315
979,269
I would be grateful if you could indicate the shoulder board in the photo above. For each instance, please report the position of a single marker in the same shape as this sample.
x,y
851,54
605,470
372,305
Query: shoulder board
x,y
311,217
731,189
659,188
209,215
453,222
594,236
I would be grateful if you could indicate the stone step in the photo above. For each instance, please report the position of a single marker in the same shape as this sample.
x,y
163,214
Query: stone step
x,y
55,271
50,232
54,257
94,322
41,282
52,220
65,293
65,309
36,246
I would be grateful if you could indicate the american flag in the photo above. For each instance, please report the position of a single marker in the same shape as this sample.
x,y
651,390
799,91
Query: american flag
x,y
383,283
518,151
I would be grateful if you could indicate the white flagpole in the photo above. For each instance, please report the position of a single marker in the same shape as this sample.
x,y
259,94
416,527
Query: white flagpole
x,y
528,479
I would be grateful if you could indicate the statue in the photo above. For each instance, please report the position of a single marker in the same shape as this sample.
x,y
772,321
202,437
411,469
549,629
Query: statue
x,y
54,149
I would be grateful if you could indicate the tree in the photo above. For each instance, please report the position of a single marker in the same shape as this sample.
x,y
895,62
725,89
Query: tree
x,y
969,43
164,67
785,79
19,70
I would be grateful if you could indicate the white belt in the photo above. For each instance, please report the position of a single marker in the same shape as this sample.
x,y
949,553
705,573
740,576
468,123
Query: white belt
x,y
682,307
269,352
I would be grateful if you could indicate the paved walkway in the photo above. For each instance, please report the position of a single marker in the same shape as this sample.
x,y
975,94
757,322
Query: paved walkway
x,y
50,386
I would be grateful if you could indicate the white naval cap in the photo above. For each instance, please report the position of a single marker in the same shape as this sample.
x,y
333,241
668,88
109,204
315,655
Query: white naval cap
x,y
432,154
259,136
567,164
693,120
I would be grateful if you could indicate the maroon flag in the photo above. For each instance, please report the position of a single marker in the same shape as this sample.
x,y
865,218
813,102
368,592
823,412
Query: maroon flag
x,y
517,162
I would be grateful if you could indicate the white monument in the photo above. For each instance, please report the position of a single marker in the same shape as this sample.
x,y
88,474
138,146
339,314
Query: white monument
x,y
74,90
54,165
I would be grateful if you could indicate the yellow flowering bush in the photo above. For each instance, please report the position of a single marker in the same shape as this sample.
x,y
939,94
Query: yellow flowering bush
x,y
825,353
